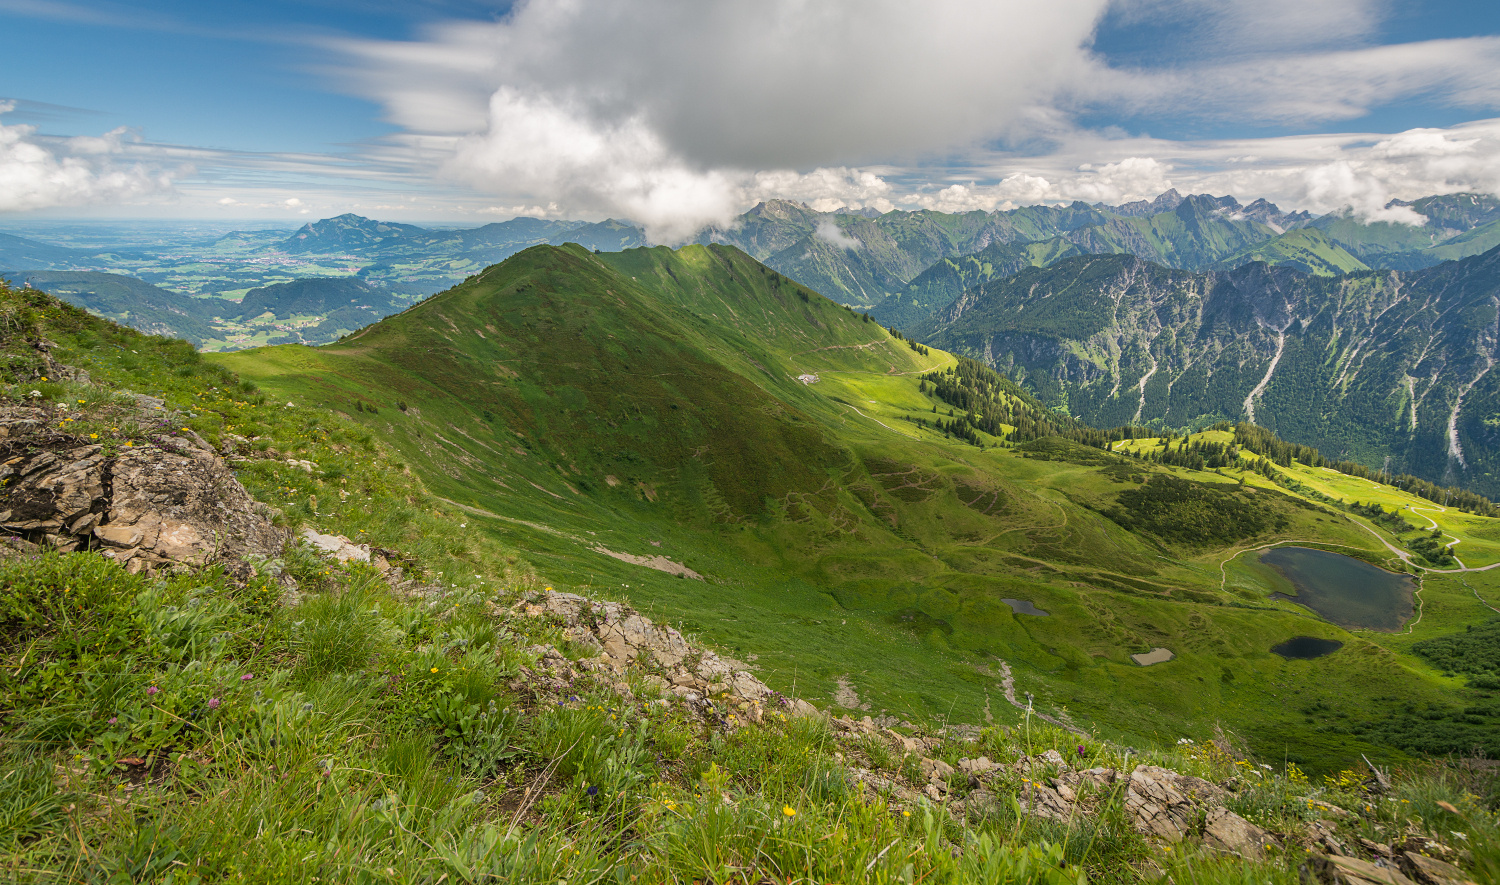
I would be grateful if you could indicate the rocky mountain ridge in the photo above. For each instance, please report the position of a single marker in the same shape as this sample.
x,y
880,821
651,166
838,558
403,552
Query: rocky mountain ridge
x,y
1367,366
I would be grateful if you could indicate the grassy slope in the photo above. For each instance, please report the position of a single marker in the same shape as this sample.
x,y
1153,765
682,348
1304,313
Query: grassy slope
x,y
937,286
573,400
1307,249
331,751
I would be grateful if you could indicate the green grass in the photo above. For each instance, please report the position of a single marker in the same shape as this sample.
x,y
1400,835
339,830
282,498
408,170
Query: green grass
x,y
564,401
364,735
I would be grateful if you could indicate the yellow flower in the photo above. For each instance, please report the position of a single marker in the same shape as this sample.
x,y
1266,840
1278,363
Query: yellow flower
x,y
93,436
789,811
434,669
905,813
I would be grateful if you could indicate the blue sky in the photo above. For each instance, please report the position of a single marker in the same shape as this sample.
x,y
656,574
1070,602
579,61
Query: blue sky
x,y
680,114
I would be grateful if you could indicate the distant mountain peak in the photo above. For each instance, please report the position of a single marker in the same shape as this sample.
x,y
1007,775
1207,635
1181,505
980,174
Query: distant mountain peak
x,y
1164,202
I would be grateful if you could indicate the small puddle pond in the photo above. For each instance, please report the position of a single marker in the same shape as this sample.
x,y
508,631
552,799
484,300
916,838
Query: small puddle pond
x,y
1305,648
1344,590
1022,607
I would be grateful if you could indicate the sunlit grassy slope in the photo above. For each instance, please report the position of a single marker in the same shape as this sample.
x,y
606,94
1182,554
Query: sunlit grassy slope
x,y
653,402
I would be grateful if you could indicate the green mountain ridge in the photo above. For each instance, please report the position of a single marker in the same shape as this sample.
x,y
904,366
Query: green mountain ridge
x,y
699,407
1309,250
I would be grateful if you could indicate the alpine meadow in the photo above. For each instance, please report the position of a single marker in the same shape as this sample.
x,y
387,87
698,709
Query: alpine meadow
x,y
767,443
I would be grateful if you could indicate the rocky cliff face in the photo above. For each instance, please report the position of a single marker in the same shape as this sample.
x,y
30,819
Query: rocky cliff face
x,y
1362,366
171,502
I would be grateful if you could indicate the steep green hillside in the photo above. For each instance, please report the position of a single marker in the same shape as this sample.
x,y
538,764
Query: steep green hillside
x,y
939,285
853,529
1389,369
22,253
132,302
320,295
1306,249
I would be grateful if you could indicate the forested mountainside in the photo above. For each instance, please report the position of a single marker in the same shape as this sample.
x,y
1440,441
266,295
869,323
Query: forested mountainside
x,y
1388,368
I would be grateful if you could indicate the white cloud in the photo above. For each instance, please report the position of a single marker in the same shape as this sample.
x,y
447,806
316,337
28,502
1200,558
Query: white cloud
x,y
1133,178
829,233
1320,173
631,107
38,173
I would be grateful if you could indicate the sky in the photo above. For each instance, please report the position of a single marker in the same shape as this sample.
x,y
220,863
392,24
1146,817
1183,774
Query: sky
x,y
680,114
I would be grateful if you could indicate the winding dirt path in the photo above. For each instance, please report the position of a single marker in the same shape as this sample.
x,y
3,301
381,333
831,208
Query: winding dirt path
x,y
1008,685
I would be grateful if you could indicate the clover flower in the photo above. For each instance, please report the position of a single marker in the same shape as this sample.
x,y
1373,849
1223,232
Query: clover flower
x,y
213,703
152,690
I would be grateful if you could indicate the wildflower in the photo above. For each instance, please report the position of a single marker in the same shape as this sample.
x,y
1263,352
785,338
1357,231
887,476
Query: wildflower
x,y
113,720
905,813
152,690
593,791
1080,749
434,670
789,811
93,436
213,703
247,677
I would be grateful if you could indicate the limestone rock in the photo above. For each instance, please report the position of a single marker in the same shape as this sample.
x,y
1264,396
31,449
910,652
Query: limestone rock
x,y
1045,802
336,546
979,766
935,769
1228,832
1165,804
1431,871
146,507
1334,870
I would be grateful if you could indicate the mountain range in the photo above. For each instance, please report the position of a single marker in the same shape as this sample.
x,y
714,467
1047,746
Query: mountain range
x,y
968,282
1389,368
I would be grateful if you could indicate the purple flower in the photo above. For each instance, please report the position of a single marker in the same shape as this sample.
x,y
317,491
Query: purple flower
x,y
113,720
152,690
213,704
247,677
593,791
1080,749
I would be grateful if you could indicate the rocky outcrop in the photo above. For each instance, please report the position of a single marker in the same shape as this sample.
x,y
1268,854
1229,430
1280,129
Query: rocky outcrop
x,y
170,502
716,687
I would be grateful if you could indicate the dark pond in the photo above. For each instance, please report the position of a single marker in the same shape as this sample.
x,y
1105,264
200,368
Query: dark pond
x,y
1305,648
1022,607
1344,590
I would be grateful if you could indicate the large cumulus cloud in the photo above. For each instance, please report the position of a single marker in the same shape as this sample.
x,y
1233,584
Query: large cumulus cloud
x,y
37,173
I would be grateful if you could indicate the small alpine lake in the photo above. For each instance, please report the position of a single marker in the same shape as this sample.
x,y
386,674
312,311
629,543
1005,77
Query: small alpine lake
x,y
1343,590
1024,607
1305,648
